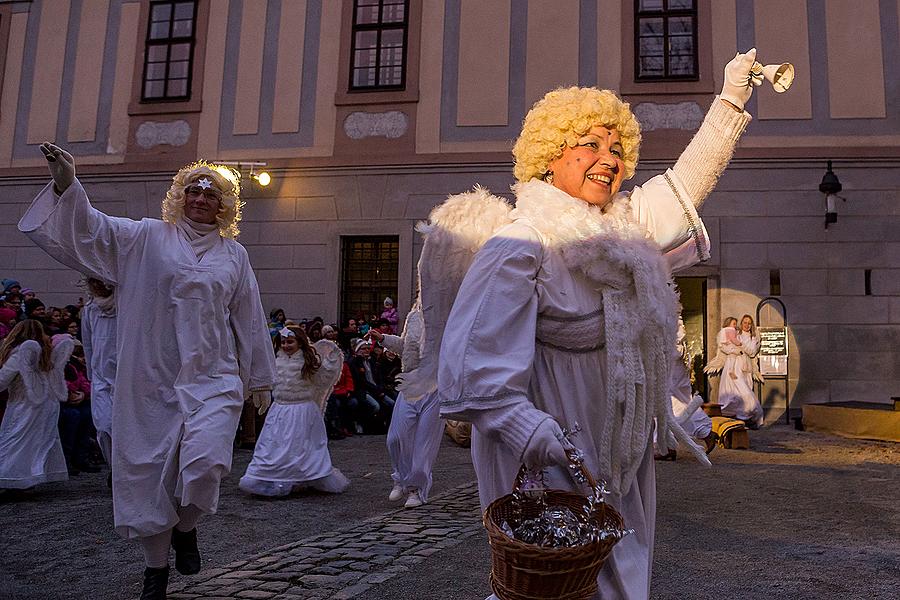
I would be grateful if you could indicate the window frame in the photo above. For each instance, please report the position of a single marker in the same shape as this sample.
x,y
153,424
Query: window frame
x,y
5,23
346,245
168,43
194,104
665,14
379,28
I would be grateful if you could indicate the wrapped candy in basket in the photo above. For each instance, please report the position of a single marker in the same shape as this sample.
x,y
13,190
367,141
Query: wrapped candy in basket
x,y
550,544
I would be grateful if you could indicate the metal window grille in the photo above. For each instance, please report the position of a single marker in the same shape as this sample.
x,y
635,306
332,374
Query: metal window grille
x,y
665,40
378,46
369,267
169,51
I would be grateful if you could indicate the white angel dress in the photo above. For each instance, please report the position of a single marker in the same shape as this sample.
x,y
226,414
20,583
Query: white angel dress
x,y
292,449
98,333
30,450
192,341
736,366
565,312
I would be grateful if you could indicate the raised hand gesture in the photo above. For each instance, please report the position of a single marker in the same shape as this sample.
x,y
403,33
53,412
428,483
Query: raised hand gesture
x,y
740,79
61,165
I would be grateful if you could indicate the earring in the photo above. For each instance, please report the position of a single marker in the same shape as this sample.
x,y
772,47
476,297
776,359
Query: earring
x,y
548,177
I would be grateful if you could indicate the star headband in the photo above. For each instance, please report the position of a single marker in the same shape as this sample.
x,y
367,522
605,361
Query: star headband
x,y
286,333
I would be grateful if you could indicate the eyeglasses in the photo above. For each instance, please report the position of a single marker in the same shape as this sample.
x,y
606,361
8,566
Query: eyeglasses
x,y
209,193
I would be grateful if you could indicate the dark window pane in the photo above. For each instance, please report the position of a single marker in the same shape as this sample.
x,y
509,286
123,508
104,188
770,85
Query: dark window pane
x,y
650,5
366,39
651,47
649,27
181,52
184,10
156,71
161,12
364,58
177,88
179,70
681,26
159,31
681,4
156,54
367,14
363,77
183,29
154,89
393,12
392,38
652,67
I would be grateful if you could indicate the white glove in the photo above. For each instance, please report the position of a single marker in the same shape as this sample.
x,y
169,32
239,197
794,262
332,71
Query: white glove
x,y
739,81
261,400
547,446
61,165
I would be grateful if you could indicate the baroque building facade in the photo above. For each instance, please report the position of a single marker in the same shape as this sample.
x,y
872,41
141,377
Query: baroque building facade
x,y
368,113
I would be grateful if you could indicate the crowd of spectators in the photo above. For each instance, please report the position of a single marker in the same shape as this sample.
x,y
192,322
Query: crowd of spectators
x,y
362,402
76,428
363,399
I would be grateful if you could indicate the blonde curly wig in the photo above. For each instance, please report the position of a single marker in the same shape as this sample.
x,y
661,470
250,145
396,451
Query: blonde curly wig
x,y
564,115
225,179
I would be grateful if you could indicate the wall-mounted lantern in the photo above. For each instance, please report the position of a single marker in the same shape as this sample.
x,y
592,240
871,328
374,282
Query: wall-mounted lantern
x,y
830,186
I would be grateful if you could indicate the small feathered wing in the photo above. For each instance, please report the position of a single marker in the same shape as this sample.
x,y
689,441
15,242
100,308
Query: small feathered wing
x,y
329,371
455,231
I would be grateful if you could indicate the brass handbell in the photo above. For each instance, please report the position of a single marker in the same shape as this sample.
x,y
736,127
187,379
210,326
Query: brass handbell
x,y
780,76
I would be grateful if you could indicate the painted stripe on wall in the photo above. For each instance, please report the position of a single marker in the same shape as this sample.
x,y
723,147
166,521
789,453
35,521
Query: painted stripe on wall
x,y
431,58
288,73
609,44
11,77
213,66
317,104
855,70
548,62
51,54
250,66
88,60
125,55
782,35
724,38
483,81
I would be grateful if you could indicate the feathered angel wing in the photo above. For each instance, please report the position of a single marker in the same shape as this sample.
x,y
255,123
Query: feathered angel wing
x,y
456,230
328,372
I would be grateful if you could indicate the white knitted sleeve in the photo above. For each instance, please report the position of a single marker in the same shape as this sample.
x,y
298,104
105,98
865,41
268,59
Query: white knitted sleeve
x,y
706,157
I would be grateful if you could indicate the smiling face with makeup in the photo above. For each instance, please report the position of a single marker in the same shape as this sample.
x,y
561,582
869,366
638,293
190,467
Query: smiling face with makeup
x,y
593,169
202,202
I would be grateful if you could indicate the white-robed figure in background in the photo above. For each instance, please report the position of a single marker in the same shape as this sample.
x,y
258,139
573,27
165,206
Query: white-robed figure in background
x,y
98,334
414,436
197,344
32,371
735,363
686,405
292,449
566,314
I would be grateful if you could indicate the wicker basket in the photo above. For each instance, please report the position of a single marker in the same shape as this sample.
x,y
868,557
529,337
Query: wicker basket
x,y
521,571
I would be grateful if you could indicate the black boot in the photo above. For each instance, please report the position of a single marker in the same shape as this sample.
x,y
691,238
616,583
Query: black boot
x,y
187,555
155,582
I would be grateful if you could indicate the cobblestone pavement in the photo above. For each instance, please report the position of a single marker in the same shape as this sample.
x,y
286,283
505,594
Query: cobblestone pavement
x,y
346,563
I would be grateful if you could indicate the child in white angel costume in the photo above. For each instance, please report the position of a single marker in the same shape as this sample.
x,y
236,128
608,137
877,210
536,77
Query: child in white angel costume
x,y
564,304
30,449
292,449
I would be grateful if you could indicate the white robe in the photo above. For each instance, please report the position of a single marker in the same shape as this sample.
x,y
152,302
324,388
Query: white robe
x,y
30,449
292,449
413,441
736,395
98,334
523,335
192,340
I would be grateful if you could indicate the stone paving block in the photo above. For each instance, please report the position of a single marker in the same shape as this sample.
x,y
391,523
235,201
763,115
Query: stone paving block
x,y
402,528
240,574
275,586
360,566
376,578
256,594
350,592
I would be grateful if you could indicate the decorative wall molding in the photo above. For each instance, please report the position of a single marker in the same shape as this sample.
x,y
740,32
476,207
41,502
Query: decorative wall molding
x,y
154,133
683,115
392,124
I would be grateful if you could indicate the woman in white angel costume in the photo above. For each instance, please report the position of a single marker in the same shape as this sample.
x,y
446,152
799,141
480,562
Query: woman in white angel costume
x,y
292,449
564,304
735,362
197,344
